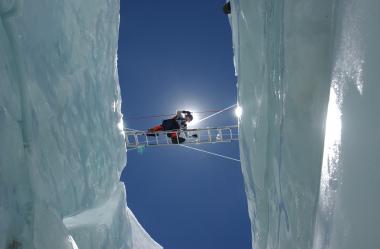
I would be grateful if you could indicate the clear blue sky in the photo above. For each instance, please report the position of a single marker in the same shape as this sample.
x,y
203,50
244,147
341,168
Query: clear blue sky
x,y
176,55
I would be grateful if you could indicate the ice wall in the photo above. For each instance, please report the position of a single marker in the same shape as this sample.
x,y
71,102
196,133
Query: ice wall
x,y
288,54
62,150
348,213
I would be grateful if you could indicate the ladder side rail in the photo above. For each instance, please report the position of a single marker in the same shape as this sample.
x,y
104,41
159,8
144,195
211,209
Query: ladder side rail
x,y
192,143
198,129
212,128
204,135
196,143
194,129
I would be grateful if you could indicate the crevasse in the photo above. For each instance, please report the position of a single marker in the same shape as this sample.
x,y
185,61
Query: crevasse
x,y
61,149
307,83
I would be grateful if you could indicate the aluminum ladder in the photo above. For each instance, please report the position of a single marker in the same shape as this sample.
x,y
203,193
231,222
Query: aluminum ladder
x,y
210,135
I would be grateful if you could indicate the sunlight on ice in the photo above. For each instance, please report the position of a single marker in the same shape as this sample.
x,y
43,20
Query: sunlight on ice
x,y
331,151
120,125
333,122
72,242
114,106
238,111
358,75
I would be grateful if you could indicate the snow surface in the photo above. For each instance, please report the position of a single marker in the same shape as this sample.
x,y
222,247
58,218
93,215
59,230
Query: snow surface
x,y
299,63
62,150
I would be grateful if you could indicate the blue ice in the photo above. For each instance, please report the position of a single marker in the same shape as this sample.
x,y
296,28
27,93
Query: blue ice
x,y
62,150
308,85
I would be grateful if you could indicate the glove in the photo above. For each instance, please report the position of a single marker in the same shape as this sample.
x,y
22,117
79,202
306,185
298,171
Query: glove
x,y
194,135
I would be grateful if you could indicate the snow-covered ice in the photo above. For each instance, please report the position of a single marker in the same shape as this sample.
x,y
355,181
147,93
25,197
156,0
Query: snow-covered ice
x,y
62,150
299,63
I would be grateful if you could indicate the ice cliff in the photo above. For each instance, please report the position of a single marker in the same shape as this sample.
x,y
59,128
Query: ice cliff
x,y
308,85
62,149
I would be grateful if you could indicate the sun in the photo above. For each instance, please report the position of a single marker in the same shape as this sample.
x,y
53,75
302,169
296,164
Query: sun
x,y
195,120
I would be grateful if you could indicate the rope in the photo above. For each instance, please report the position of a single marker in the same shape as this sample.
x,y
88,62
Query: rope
x,y
130,129
132,149
164,115
197,122
211,153
212,115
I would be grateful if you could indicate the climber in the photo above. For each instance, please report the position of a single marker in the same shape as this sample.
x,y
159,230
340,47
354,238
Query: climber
x,y
178,122
227,8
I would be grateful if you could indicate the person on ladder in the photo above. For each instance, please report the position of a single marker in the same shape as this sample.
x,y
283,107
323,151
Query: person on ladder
x,y
178,122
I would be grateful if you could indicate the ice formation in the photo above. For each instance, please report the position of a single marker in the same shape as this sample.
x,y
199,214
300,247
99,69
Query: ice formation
x,y
62,149
310,183
307,78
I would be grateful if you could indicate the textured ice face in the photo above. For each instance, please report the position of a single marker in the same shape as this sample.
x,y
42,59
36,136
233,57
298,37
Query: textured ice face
x,y
62,149
284,99
297,61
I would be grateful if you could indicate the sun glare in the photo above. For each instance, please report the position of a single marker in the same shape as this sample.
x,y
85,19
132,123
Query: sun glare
x,y
72,242
238,111
120,125
195,119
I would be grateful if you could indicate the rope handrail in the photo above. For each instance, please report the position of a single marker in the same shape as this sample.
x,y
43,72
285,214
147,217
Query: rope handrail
x,y
173,114
211,153
139,132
